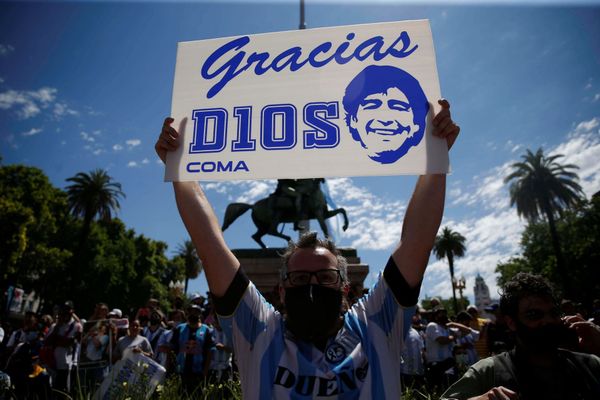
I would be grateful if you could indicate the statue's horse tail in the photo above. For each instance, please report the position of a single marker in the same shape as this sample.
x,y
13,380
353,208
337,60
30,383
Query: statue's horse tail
x,y
233,211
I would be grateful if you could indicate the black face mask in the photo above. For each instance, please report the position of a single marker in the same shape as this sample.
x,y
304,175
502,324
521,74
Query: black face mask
x,y
193,319
546,338
313,311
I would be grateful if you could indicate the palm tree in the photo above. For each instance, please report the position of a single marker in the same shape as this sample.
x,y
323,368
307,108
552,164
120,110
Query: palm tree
x,y
93,195
193,265
541,187
450,244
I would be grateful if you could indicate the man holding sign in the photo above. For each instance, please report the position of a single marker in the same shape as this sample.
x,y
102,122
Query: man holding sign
x,y
359,351
320,348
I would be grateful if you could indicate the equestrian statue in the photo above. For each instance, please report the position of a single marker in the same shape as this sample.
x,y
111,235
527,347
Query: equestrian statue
x,y
294,200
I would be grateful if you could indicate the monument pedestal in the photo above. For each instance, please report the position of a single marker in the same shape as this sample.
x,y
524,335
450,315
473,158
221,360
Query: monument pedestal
x,y
262,267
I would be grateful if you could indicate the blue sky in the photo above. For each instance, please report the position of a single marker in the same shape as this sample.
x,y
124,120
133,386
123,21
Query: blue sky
x,y
86,85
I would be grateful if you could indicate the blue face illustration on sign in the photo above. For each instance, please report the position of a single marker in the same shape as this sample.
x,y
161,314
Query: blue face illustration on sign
x,y
385,112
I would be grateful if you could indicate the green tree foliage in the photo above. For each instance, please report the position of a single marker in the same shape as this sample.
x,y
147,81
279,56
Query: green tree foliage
x,y
32,217
542,187
92,195
580,233
40,238
120,267
450,245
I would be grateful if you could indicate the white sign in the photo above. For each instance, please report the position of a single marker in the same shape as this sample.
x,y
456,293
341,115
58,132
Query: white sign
x,y
132,376
345,101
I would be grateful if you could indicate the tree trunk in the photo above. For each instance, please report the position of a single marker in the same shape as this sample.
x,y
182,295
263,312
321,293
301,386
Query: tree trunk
x,y
560,262
451,265
78,258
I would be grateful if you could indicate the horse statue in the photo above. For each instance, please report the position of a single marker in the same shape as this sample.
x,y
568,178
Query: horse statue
x,y
293,201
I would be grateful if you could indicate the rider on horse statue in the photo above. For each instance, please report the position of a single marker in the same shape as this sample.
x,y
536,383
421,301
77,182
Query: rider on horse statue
x,y
294,194
294,200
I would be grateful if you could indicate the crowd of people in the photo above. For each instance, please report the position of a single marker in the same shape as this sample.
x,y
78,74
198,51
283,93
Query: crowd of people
x,y
50,352
63,352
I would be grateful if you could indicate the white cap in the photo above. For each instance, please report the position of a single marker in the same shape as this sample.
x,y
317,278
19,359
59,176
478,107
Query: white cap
x,y
116,312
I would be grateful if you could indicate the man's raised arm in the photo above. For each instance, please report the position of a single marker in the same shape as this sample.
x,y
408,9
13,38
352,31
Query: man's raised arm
x,y
219,263
425,209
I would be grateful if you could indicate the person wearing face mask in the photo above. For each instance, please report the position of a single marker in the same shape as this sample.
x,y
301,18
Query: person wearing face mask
x,y
154,331
319,347
539,367
192,344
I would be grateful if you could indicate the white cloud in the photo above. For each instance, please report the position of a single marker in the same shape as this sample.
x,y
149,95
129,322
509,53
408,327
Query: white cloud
x,y
117,147
583,150
10,139
132,164
133,143
87,137
2,80
597,97
94,148
28,103
91,111
247,191
91,142
6,49
145,161
31,132
586,126
62,109
376,222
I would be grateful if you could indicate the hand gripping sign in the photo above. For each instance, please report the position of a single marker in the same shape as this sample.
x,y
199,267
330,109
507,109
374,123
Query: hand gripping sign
x,y
345,101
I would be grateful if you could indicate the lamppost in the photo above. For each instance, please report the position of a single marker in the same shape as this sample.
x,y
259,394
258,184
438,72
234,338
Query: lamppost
x,y
460,285
176,288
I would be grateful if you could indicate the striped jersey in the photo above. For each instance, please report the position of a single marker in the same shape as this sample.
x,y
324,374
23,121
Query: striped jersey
x,y
361,362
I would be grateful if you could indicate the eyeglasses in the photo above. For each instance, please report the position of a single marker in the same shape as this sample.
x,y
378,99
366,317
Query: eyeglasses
x,y
324,277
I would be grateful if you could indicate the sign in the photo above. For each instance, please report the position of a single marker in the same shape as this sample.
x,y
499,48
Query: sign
x,y
16,297
133,376
345,101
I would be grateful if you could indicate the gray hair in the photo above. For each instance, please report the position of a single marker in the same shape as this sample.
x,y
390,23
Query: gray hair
x,y
311,241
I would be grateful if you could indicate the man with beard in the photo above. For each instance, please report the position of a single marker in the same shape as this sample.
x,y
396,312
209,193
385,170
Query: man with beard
x,y
319,348
539,367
